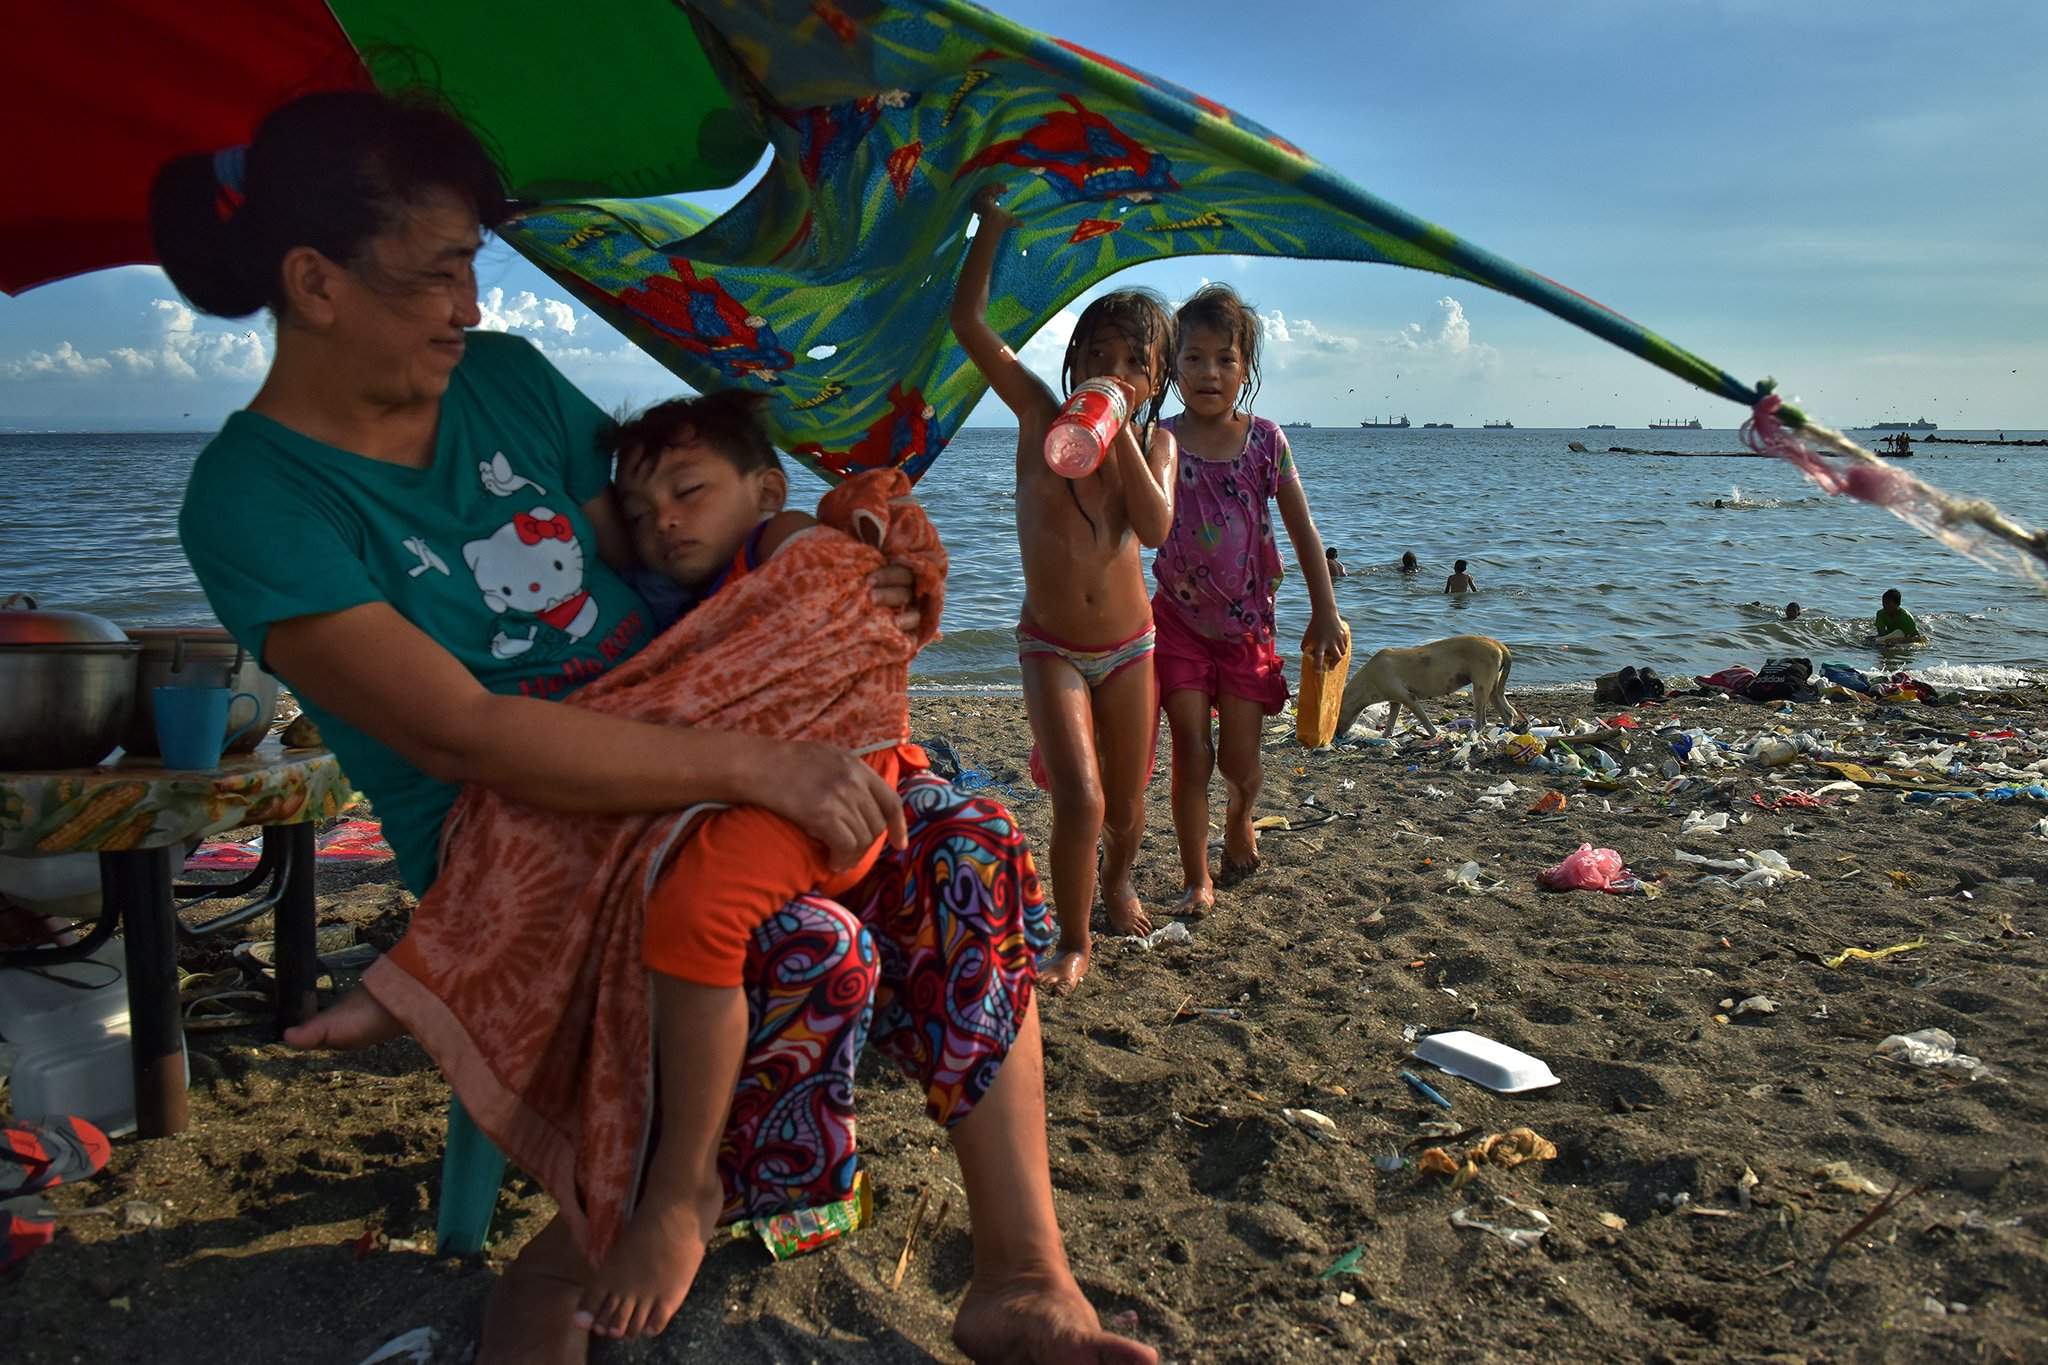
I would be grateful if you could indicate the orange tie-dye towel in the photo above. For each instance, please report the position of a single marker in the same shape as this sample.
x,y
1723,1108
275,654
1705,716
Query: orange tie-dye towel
x,y
521,972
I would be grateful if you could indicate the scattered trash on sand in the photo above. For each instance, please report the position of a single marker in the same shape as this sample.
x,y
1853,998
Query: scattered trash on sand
x,y
413,1348
1933,1048
1588,869
1480,1059
1521,1238
1871,954
1309,1121
1175,932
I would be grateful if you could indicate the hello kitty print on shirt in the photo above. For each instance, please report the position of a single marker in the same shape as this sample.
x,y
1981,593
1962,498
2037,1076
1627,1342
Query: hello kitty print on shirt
x,y
530,571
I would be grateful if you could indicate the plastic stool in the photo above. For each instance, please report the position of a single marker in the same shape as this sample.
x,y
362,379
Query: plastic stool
x,y
471,1171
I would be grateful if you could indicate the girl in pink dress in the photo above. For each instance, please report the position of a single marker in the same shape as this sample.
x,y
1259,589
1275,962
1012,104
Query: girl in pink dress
x,y
1217,574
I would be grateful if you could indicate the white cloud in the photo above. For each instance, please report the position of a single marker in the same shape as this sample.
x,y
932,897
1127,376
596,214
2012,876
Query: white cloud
x,y
1450,339
527,312
1287,339
182,348
65,363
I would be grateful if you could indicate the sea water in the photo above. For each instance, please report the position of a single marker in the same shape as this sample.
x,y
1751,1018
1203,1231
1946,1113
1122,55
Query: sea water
x,y
1585,561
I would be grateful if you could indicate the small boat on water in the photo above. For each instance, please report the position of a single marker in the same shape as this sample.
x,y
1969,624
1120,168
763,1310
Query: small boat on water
x,y
1676,424
1438,426
1898,446
1502,425
1922,425
1390,422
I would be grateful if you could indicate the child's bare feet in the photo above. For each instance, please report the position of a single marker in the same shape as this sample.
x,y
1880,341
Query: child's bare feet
x,y
1063,971
648,1272
1196,901
356,1020
1240,848
1126,912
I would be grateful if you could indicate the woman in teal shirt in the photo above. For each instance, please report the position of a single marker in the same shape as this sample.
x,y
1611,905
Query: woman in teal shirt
x,y
410,524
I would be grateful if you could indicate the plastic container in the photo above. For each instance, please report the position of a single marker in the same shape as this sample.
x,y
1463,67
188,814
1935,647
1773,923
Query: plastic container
x,y
1478,1058
1322,697
69,1024
1089,420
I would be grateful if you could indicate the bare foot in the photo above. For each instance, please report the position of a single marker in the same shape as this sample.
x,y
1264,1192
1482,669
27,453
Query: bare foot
x,y
1063,971
1240,849
529,1317
1126,912
648,1272
356,1020
1196,901
1040,1320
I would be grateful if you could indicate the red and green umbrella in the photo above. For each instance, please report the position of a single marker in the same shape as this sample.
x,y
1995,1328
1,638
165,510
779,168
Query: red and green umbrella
x,y
826,287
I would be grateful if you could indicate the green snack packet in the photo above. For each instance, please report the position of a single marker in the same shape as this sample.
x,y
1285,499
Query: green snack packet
x,y
796,1231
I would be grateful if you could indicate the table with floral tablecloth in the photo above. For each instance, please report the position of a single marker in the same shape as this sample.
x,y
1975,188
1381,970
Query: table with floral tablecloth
x,y
128,812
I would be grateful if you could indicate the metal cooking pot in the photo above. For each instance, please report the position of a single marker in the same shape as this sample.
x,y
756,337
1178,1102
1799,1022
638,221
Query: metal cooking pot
x,y
197,656
67,686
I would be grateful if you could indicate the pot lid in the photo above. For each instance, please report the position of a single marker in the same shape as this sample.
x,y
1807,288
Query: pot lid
x,y
22,622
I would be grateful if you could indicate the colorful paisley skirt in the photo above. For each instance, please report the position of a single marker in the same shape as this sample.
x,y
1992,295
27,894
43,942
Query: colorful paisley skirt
x,y
930,959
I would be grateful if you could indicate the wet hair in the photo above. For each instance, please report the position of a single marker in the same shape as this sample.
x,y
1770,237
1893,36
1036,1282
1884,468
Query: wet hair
x,y
1141,318
1409,561
331,171
1458,567
726,422
1218,308
1791,611
1330,553
1891,597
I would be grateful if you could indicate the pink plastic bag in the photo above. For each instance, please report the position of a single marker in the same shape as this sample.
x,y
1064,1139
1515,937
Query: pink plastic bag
x,y
1586,869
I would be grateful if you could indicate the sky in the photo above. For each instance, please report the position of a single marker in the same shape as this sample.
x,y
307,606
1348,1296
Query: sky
x,y
1848,195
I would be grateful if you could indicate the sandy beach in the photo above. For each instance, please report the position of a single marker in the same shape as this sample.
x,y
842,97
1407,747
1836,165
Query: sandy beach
x,y
1716,1170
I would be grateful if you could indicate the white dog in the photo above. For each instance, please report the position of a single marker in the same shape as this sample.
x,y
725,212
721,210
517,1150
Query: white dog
x,y
1437,669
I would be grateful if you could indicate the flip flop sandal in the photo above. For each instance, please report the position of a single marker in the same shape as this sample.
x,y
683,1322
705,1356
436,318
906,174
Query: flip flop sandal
x,y
340,956
192,985
227,1009
37,1156
27,1225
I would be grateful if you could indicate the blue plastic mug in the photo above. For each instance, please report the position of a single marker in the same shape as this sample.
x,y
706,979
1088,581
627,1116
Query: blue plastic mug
x,y
192,724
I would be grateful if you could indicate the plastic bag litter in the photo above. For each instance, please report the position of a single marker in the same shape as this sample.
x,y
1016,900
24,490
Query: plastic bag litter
x,y
1308,1120
1718,864
1586,868
1497,797
1840,1175
1871,954
413,1348
1175,932
1933,1048
1699,822
1472,878
1767,868
1521,1239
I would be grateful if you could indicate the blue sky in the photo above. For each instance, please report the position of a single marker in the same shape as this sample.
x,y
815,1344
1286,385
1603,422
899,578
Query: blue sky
x,y
1851,196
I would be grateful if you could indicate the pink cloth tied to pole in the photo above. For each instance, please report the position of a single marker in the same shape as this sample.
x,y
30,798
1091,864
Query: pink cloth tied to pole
x,y
521,972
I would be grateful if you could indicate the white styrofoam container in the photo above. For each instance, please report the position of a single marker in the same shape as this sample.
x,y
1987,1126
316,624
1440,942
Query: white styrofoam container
x,y
71,1041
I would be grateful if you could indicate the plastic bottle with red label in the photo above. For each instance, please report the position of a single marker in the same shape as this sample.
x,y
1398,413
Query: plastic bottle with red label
x,y
1089,420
